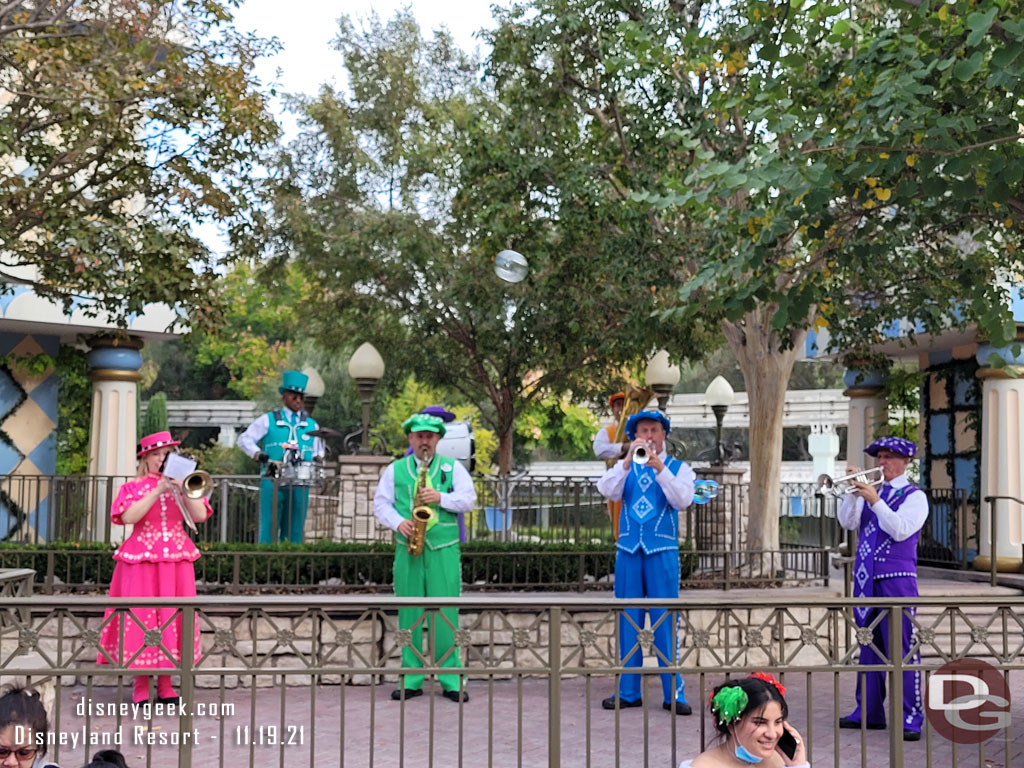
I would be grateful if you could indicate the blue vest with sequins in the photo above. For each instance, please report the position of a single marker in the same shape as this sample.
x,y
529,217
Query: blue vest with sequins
x,y
647,521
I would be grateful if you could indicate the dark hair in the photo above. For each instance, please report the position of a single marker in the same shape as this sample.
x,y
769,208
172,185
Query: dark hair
x,y
107,758
21,706
759,694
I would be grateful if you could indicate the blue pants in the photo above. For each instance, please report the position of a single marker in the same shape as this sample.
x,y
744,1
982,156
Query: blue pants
x,y
291,511
641,575
871,685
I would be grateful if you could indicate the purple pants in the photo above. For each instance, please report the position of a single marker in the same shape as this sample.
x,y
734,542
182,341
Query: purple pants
x,y
871,685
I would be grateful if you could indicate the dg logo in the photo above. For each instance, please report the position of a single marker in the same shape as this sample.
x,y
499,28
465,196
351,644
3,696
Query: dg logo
x,y
968,701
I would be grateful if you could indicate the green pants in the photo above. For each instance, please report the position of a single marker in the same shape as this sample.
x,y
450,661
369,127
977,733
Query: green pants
x,y
434,573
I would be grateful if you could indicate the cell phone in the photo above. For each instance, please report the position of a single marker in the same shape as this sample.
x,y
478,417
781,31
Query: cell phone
x,y
787,743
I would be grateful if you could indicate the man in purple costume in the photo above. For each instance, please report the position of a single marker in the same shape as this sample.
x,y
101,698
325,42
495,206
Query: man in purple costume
x,y
889,523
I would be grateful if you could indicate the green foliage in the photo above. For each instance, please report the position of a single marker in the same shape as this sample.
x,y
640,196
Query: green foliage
x,y
564,431
74,404
903,397
156,415
117,137
414,397
342,565
401,191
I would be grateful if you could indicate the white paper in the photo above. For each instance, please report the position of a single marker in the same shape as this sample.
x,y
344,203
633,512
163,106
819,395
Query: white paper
x,y
178,467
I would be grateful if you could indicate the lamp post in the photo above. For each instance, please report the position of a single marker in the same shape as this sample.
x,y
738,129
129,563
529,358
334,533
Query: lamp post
x,y
719,396
314,388
366,367
661,377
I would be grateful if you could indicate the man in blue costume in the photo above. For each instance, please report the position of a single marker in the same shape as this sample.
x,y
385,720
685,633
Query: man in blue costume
x,y
647,560
266,440
888,522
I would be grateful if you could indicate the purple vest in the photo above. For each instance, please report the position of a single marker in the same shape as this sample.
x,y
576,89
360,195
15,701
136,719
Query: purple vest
x,y
878,555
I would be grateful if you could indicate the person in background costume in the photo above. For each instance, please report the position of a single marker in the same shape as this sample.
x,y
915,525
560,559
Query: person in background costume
x,y
647,556
266,440
437,571
611,452
155,561
888,522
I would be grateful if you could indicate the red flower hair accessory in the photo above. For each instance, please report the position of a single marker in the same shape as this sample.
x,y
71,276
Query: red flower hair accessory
x,y
769,679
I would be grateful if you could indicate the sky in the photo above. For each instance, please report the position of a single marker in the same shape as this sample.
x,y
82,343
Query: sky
x,y
307,58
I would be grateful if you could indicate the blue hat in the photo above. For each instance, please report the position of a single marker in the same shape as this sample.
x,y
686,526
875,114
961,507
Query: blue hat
x,y
293,381
894,444
652,415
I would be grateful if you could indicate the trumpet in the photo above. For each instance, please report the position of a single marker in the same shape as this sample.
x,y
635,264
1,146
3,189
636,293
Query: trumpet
x,y
840,486
641,455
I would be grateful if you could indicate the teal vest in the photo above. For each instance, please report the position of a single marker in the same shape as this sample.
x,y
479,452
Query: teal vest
x,y
441,475
282,431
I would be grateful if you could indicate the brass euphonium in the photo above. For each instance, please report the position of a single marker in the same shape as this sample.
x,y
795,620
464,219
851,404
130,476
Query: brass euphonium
x,y
637,399
421,514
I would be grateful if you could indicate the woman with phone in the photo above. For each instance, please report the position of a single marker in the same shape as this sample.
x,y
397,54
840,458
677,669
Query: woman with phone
x,y
750,717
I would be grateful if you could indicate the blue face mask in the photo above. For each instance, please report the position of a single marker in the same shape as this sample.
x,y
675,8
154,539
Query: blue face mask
x,y
744,755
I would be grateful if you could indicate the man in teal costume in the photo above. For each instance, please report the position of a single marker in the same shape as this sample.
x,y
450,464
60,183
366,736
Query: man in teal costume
x,y
266,440
437,571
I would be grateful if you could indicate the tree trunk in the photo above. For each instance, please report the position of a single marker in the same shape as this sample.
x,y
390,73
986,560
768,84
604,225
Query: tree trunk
x,y
505,450
766,370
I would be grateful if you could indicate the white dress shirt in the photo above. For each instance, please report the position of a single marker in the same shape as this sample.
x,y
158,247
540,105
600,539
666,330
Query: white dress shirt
x,y
901,524
460,500
604,448
678,488
249,440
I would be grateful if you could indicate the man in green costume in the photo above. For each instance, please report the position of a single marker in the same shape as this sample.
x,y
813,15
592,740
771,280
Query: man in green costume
x,y
436,572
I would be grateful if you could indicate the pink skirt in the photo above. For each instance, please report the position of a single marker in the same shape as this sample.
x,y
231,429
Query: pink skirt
x,y
162,579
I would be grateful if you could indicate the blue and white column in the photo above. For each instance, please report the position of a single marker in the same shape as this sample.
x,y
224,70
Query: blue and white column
x,y
1002,460
868,413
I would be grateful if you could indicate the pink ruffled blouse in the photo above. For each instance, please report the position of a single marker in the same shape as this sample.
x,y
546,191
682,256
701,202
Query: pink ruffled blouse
x,y
160,535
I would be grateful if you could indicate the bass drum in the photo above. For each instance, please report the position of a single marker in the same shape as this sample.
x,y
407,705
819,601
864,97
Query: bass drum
x,y
302,474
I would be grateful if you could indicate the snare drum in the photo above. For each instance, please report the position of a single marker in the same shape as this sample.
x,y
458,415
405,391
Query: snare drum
x,y
304,474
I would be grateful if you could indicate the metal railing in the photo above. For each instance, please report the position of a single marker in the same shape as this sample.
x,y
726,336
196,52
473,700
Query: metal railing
x,y
306,680
993,528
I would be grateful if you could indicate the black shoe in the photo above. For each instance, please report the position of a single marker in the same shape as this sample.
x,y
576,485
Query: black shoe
x,y
911,735
609,703
168,700
681,707
410,693
455,696
846,722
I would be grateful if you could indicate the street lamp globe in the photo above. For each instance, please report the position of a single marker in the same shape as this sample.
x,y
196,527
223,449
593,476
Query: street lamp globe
x,y
719,396
366,367
661,377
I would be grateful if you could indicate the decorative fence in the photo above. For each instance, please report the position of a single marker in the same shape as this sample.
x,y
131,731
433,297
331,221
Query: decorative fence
x,y
520,514
307,680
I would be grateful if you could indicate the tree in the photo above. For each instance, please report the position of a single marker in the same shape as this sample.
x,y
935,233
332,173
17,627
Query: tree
x,y
121,124
817,165
401,192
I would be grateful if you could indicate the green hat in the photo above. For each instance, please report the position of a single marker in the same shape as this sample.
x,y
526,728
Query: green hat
x,y
293,381
423,422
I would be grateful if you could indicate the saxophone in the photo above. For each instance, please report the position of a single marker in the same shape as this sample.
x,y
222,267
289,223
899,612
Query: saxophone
x,y
421,515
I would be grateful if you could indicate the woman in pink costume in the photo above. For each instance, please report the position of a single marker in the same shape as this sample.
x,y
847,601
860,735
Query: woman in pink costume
x,y
155,561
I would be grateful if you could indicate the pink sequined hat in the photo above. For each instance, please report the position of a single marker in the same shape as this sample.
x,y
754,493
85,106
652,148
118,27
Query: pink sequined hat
x,y
154,441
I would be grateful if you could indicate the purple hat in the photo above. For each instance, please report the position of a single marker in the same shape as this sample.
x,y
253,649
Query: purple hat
x,y
652,415
894,444
440,412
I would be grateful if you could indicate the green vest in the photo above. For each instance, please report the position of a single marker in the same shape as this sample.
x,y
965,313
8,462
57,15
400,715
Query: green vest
x,y
441,476
279,433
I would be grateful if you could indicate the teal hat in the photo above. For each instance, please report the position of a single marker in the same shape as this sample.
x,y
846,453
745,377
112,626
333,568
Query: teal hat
x,y
293,381
423,422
